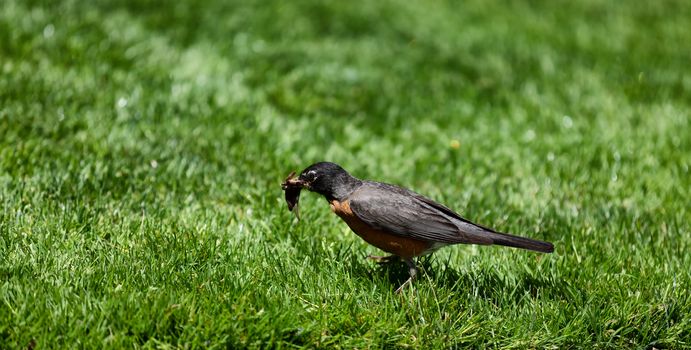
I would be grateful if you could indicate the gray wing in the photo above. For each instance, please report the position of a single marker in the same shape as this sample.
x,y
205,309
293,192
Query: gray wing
x,y
405,213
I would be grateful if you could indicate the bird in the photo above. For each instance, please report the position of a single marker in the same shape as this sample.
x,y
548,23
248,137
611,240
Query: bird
x,y
395,219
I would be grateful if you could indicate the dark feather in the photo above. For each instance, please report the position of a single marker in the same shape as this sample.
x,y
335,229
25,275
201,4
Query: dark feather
x,y
406,213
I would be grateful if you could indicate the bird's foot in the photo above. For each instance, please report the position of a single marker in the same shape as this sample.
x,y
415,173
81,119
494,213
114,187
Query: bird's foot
x,y
408,282
412,270
383,259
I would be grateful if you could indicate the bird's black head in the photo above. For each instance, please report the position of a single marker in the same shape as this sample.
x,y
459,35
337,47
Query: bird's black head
x,y
329,180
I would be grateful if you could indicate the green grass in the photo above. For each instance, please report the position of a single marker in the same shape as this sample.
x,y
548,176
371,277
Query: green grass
x,y
142,144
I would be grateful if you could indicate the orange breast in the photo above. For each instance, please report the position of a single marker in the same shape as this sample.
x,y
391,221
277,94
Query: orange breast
x,y
401,246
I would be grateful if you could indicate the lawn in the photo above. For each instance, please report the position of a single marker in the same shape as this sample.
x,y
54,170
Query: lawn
x,y
143,143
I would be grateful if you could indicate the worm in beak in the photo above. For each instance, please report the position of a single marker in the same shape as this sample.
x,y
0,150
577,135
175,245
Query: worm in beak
x,y
292,187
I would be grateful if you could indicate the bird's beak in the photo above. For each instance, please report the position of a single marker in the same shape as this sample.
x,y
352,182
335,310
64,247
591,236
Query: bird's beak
x,y
292,187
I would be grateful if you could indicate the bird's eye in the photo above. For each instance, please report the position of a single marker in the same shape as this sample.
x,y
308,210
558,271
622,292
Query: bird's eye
x,y
310,175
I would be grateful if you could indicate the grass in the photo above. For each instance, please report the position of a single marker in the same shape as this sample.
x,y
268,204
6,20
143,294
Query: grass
x,y
142,144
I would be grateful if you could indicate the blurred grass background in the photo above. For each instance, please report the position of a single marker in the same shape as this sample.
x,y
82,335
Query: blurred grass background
x,y
142,144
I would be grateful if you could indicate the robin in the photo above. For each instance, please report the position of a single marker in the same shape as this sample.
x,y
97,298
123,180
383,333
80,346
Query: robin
x,y
395,219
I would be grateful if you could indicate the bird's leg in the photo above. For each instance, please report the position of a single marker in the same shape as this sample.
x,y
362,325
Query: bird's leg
x,y
412,270
383,259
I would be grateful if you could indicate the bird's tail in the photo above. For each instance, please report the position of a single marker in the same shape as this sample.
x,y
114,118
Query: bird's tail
x,y
521,242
